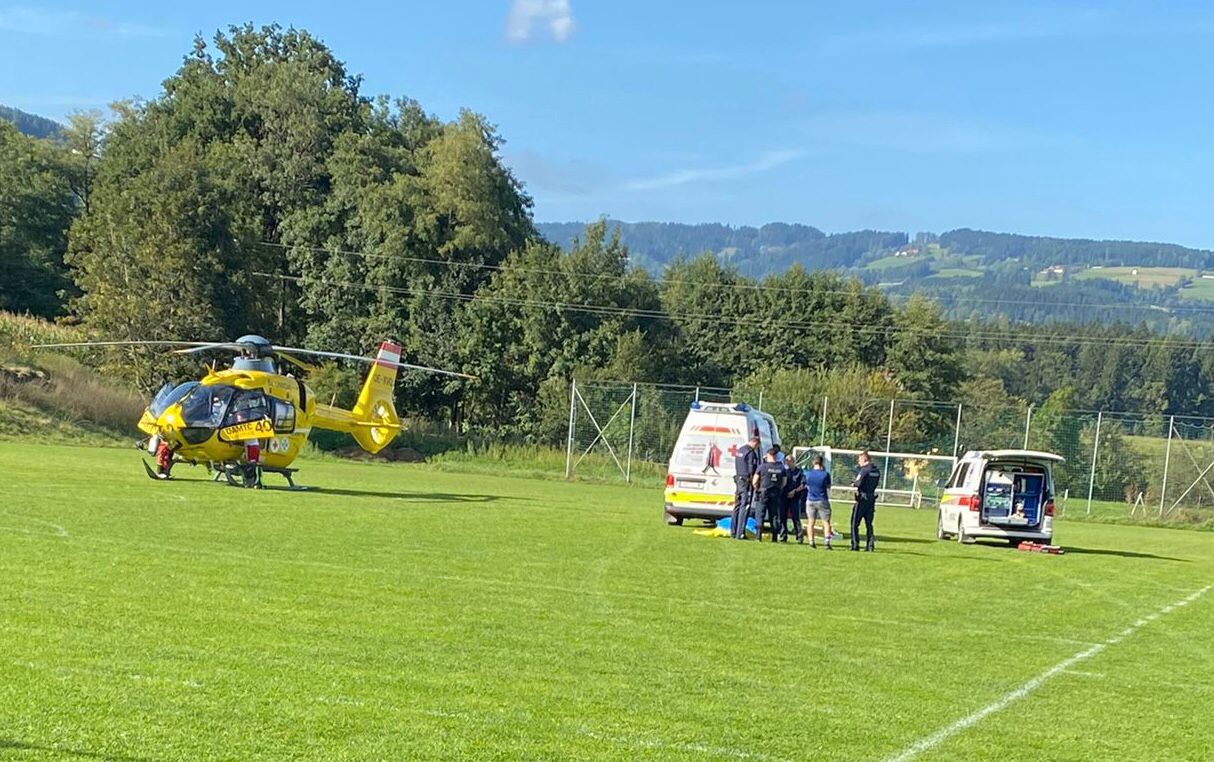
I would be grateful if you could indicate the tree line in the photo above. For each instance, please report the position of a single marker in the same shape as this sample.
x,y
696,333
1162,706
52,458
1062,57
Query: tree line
x,y
262,191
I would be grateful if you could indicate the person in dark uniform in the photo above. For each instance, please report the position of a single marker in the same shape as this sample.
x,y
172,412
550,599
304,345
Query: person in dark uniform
x,y
866,481
769,497
794,500
746,467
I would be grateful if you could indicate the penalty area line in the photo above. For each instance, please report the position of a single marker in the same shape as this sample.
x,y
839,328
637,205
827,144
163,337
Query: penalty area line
x,y
928,743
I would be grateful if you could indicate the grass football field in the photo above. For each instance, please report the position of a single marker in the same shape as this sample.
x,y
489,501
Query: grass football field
x,y
399,612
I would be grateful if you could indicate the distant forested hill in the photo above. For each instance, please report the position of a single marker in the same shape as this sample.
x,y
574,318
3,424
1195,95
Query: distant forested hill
x,y
777,246
753,251
31,124
998,247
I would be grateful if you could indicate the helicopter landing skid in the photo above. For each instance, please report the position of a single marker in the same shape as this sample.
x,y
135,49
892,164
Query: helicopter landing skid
x,y
237,475
153,474
286,473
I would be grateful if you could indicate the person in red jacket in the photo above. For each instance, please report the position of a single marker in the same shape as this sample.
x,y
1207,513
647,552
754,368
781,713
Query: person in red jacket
x,y
164,459
252,468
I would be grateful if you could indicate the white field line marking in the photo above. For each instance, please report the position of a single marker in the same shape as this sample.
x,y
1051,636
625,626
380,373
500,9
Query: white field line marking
x,y
940,736
58,529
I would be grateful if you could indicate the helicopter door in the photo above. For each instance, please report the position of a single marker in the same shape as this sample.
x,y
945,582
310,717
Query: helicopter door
x,y
248,417
247,405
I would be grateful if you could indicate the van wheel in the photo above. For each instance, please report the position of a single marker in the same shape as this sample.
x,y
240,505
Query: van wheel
x,y
673,520
940,533
962,537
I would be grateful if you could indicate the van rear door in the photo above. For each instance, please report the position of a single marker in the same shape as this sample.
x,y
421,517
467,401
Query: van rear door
x,y
703,458
1015,492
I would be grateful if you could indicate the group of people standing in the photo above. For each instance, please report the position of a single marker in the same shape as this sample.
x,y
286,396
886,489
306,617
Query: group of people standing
x,y
775,490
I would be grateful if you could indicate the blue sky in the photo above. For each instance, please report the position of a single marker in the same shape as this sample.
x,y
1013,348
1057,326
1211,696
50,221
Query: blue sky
x,y
1086,120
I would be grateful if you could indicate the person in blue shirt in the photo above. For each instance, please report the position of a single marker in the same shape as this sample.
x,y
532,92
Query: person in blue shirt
x,y
817,496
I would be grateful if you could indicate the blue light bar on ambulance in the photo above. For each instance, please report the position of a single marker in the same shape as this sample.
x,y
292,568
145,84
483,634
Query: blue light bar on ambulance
x,y
742,407
695,404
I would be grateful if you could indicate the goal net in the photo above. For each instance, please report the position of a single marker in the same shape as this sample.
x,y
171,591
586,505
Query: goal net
x,y
908,479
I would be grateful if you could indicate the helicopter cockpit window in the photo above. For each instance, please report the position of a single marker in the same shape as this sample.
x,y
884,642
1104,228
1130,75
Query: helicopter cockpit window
x,y
205,405
284,417
168,396
247,405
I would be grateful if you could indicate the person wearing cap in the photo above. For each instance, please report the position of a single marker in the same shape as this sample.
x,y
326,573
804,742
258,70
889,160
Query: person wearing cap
x,y
866,481
745,480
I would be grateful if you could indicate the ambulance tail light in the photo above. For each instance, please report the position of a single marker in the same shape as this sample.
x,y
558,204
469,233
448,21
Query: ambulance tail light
x,y
669,480
972,502
1049,507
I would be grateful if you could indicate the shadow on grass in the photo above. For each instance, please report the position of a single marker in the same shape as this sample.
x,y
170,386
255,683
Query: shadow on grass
x,y
889,538
9,744
1121,554
897,539
413,497
1070,549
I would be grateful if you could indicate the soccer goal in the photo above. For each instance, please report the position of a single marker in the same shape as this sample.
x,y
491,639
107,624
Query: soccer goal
x,y
907,478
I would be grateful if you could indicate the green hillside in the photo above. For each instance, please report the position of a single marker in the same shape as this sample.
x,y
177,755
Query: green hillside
x,y
31,124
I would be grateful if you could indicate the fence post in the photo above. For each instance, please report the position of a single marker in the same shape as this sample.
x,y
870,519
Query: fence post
x,y
822,424
760,399
697,394
1028,419
889,440
632,425
1095,450
569,446
957,433
1167,460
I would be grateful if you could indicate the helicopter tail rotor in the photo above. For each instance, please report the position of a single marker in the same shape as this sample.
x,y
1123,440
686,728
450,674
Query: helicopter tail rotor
x,y
374,412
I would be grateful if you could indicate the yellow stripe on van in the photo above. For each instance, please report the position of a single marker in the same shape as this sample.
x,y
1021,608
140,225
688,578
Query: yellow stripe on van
x,y
676,497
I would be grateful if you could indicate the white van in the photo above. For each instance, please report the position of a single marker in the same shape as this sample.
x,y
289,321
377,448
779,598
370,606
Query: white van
x,y
1006,494
699,480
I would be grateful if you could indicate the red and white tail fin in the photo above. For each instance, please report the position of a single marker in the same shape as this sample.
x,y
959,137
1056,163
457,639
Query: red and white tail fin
x,y
375,402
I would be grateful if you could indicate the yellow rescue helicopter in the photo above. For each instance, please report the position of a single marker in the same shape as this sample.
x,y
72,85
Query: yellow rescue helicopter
x,y
249,418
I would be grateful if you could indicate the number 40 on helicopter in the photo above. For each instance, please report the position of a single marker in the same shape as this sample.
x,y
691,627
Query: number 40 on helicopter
x,y
249,418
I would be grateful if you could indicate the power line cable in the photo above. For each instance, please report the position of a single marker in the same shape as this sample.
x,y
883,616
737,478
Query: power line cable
x,y
758,287
643,313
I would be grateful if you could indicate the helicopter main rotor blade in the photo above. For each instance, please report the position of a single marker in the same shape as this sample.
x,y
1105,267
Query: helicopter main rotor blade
x,y
132,343
228,345
360,358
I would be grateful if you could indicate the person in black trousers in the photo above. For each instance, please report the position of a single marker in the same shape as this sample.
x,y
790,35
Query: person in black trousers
x,y
746,467
866,481
794,500
769,497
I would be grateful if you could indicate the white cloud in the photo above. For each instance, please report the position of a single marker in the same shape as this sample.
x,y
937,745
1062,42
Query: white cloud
x,y
530,20
763,163
53,23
